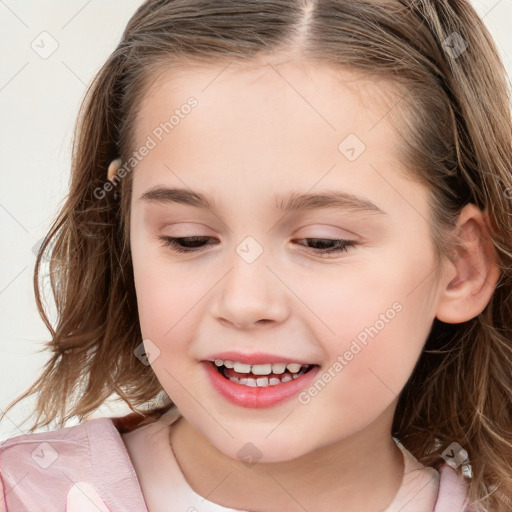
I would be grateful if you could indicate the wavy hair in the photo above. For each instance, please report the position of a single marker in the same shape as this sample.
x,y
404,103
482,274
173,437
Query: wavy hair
x,y
454,113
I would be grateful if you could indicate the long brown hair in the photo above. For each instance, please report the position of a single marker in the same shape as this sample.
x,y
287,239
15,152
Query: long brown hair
x,y
454,111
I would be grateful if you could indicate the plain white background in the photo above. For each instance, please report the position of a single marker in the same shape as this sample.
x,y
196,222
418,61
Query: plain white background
x,y
39,101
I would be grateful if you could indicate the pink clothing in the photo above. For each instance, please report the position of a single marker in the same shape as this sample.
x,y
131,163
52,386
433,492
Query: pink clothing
x,y
87,467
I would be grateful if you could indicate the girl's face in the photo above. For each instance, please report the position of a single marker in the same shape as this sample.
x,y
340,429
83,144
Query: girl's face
x,y
253,139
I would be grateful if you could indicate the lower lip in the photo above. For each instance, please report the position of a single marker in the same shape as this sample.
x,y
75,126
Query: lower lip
x,y
257,397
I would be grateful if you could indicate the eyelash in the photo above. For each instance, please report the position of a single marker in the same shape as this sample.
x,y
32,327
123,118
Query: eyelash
x,y
173,244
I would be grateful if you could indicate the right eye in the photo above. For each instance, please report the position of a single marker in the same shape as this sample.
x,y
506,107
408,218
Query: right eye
x,y
192,243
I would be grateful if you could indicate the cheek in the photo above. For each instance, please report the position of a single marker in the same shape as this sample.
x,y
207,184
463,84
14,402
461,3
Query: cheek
x,y
368,368
163,298
167,302
376,291
379,319
165,290
170,302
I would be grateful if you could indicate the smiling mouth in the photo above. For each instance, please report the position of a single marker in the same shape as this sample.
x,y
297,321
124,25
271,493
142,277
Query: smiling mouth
x,y
262,375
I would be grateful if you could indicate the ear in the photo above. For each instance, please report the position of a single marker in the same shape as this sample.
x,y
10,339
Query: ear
x,y
472,272
113,168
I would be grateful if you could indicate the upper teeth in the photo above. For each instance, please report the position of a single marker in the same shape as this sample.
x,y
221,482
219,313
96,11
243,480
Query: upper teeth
x,y
261,369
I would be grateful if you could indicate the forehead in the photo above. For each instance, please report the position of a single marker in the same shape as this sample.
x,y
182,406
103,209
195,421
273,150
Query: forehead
x,y
269,127
273,86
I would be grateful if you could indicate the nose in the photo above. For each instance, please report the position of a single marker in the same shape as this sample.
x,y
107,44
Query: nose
x,y
251,295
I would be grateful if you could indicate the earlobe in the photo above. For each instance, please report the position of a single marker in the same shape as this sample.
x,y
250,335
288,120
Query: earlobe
x,y
468,288
113,168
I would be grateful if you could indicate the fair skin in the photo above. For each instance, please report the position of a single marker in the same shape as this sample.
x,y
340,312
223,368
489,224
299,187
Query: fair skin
x,y
251,136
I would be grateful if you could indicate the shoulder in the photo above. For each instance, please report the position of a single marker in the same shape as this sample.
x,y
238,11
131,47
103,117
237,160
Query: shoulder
x,y
72,458
29,461
42,450
2,496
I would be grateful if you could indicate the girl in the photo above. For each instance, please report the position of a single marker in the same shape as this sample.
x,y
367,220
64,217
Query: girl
x,y
290,219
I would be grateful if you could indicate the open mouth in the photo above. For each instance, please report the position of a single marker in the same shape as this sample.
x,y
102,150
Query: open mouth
x,y
262,375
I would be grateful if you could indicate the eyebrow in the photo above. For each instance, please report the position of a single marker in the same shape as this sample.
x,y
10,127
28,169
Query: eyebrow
x,y
293,201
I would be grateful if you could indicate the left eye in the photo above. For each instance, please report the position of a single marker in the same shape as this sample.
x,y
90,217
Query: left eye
x,y
339,245
195,243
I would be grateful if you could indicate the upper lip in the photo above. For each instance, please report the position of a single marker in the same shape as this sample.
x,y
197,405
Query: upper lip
x,y
254,358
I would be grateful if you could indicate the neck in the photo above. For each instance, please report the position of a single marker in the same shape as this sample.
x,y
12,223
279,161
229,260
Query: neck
x,y
363,472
